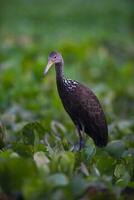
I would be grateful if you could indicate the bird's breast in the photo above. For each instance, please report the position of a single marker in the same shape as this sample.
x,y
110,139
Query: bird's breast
x,y
66,87
69,85
67,90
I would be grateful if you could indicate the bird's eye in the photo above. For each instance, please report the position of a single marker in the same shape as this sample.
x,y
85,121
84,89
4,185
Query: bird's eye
x,y
54,56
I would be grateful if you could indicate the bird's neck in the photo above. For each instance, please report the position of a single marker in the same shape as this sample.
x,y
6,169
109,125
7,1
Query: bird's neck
x,y
59,71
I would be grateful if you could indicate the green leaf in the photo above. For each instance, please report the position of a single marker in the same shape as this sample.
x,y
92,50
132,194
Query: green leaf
x,y
116,148
14,171
78,185
58,180
105,163
63,162
24,150
42,161
119,170
32,133
122,175
89,150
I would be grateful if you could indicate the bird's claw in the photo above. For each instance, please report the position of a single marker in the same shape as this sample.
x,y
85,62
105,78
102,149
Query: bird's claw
x,y
81,144
78,147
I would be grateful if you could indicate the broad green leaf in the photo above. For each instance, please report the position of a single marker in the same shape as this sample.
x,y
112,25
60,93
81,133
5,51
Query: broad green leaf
x,y
116,148
58,179
78,185
119,170
105,163
63,162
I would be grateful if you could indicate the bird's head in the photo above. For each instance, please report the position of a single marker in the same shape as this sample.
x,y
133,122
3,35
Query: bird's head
x,y
53,58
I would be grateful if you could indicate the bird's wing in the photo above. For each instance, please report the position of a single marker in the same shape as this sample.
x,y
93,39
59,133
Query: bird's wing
x,y
87,108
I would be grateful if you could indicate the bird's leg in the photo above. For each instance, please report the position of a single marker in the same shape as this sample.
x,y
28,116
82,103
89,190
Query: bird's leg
x,y
81,142
80,145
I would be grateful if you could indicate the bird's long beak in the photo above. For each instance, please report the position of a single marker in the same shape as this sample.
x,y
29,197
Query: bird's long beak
x,y
49,64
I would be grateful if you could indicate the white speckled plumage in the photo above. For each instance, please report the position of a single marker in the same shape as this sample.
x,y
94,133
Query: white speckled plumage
x,y
70,85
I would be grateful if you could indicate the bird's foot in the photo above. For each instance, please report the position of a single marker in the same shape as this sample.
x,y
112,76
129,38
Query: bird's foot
x,y
81,144
75,147
78,146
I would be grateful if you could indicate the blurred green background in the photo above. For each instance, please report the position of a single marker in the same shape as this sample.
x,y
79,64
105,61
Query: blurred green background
x,y
96,41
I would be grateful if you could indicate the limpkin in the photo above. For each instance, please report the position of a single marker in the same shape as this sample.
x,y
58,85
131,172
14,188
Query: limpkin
x,y
80,103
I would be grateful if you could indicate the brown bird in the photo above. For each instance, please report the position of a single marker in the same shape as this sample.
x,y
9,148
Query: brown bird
x,y
80,103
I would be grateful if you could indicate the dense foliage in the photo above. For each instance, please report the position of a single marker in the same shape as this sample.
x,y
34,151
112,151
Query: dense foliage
x,y
36,135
